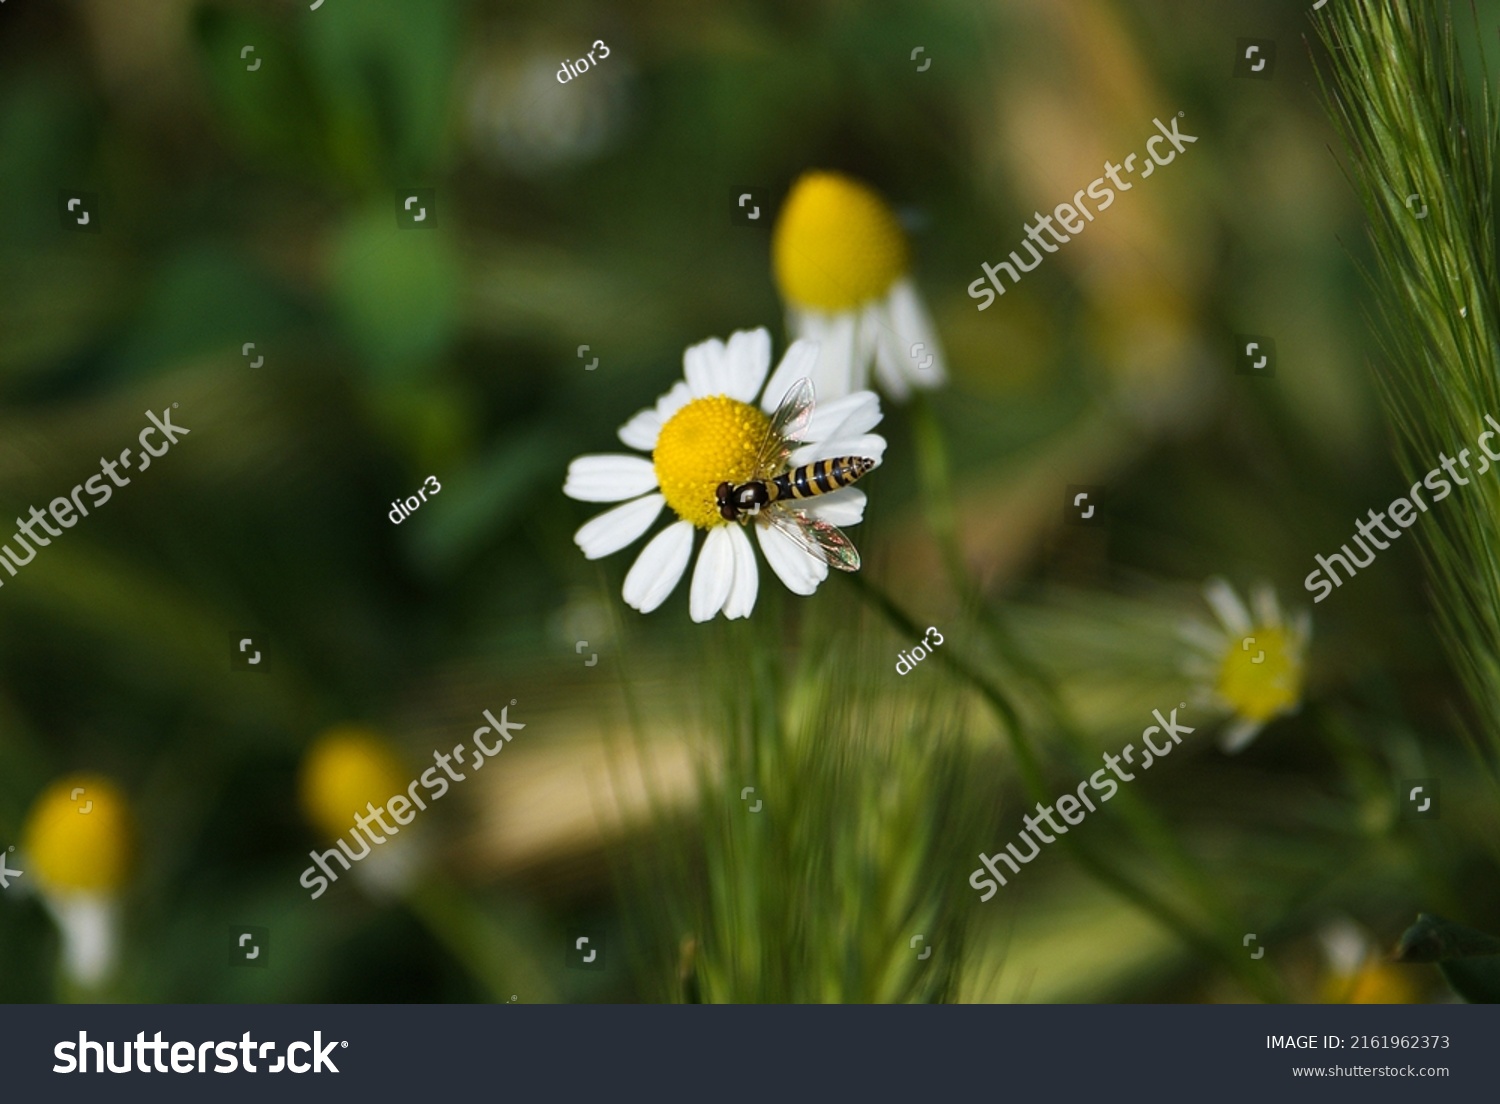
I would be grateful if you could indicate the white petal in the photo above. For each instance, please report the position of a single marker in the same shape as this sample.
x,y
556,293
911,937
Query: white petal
x,y
610,477
1263,602
910,320
706,368
849,416
794,565
802,324
1199,669
1344,945
1203,697
748,359
660,565
673,401
642,430
89,924
841,508
800,361
741,598
1206,638
870,445
713,576
390,871
614,529
645,427
1227,606
834,372
847,368
1302,629
890,351
1237,736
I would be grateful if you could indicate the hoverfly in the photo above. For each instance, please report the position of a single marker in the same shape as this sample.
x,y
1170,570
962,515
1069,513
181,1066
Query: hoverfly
x,y
772,487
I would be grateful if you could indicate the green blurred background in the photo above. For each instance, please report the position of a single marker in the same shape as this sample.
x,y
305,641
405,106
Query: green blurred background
x,y
241,205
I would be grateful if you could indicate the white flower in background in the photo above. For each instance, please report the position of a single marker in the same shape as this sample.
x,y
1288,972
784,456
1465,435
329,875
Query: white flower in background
x,y
77,847
1253,664
706,431
841,263
519,116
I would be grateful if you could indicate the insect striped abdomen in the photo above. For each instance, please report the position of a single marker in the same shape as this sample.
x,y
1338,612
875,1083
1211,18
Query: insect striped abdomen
x,y
820,478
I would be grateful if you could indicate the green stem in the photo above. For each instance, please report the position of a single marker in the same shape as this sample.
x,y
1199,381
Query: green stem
x,y
1010,719
936,476
496,962
935,471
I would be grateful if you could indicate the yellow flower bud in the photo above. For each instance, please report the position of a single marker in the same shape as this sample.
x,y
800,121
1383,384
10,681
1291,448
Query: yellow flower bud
x,y
345,769
1375,983
78,836
837,244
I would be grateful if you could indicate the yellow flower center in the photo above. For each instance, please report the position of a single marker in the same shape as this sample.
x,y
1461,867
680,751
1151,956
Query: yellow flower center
x,y
837,244
1261,676
78,837
1376,983
347,768
707,442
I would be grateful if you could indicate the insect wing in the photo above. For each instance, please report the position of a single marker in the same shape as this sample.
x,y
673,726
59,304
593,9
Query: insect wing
x,y
788,425
795,412
817,538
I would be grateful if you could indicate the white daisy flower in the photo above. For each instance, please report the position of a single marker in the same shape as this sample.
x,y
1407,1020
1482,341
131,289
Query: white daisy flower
x,y
706,431
840,258
1253,665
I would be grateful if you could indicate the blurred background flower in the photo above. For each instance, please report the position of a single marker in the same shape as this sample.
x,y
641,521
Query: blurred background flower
x,y
1357,972
1252,665
348,772
78,850
842,266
